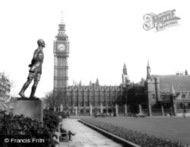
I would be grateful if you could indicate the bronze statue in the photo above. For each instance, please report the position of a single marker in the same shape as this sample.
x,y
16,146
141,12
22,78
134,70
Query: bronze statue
x,y
35,70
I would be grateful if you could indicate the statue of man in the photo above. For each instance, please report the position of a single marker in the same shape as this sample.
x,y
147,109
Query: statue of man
x,y
35,70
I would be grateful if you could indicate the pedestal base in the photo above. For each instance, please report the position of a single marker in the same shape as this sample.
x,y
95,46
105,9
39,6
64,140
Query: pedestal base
x,y
30,108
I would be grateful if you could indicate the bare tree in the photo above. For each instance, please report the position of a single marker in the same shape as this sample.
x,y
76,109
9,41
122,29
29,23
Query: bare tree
x,y
5,88
50,100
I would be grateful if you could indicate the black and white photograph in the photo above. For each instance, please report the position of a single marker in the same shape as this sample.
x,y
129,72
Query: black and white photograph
x,y
94,73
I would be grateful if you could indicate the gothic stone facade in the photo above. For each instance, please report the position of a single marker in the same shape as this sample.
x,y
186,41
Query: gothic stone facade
x,y
160,95
167,94
157,95
101,98
79,97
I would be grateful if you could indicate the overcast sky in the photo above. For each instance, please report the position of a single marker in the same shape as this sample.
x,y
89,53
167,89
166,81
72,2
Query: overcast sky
x,y
103,34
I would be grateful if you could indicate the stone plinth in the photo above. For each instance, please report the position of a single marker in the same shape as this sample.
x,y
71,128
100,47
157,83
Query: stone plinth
x,y
30,108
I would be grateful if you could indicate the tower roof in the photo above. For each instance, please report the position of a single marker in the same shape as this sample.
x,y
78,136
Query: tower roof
x,y
148,71
62,20
179,82
124,70
61,31
97,82
172,90
148,66
186,72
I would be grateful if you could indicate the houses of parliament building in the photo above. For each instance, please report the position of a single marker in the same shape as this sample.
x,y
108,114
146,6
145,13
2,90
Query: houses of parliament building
x,y
156,95
78,96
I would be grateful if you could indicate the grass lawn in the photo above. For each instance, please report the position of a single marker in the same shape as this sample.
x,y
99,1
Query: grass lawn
x,y
174,129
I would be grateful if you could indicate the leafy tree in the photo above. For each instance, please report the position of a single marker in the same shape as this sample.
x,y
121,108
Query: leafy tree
x,y
19,125
51,120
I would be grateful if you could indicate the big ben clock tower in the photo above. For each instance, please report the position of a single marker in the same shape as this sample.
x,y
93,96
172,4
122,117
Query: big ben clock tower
x,y
61,54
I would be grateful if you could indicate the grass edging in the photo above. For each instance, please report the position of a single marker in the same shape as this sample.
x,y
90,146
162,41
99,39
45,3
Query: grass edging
x,y
118,139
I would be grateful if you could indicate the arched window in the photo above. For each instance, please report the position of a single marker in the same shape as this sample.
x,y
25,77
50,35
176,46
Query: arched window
x,y
153,96
183,96
181,106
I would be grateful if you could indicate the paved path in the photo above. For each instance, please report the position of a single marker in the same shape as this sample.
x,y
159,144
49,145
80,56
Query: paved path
x,y
85,136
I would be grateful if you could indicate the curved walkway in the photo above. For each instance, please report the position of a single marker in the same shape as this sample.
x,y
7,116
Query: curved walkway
x,y
85,137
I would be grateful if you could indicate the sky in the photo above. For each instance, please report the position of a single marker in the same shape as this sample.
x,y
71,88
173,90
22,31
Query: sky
x,y
103,35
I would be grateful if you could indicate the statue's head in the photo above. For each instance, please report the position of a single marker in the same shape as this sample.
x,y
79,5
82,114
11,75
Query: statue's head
x,y
41,43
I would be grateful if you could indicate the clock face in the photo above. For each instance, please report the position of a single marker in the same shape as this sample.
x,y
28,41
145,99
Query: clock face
x,y
61,47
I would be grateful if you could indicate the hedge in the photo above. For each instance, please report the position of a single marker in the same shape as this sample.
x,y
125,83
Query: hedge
x,y
19,126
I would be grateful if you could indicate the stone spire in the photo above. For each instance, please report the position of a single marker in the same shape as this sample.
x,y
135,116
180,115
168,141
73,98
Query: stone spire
x,y
62,20
124,70
61,31
125,79
148,71
97,82
80,83
186,72
172,91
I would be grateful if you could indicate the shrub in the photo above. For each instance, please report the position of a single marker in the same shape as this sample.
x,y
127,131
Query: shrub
x,y
51,120
62,114
19,126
